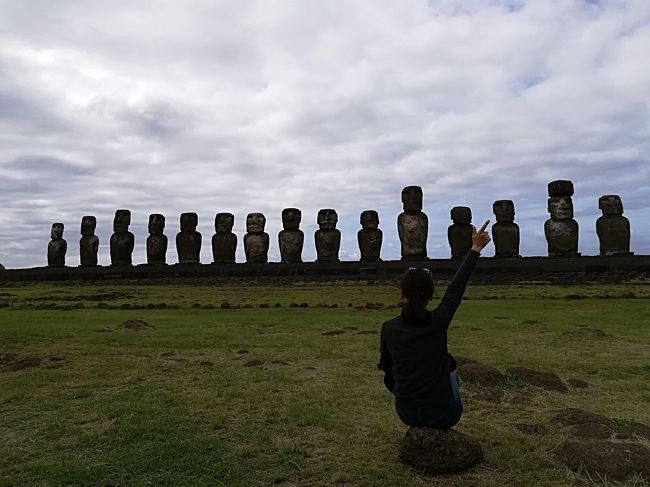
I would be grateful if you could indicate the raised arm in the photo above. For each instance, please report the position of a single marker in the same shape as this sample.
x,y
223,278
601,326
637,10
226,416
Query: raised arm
x,y
454,294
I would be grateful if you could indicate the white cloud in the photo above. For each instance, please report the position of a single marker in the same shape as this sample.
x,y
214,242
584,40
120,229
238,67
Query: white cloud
x,y
235,106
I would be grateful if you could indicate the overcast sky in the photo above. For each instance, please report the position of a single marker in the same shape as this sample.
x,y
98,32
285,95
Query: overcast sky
x,y
254,106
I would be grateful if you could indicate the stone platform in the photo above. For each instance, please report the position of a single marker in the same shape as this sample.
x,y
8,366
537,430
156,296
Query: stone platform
x,y
489,270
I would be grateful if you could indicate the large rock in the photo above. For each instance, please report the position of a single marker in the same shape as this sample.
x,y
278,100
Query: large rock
x,y
436,451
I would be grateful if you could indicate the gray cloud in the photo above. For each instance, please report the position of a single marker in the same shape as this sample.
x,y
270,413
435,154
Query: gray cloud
x,y
164,108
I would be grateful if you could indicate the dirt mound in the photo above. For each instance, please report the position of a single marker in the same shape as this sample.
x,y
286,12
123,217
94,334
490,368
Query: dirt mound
x,y
482,374
11,362
137,325
591,425
253,363
532,429
545,380
584,332
605,460
332,333
577,383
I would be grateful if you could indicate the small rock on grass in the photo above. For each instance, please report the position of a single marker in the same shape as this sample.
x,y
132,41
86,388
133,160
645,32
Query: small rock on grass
x,y
436,451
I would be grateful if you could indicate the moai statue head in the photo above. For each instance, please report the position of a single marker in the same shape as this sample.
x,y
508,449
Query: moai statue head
x,y
412,199
291,218
189,221
611,204
504,210
88,225
327,219
461,215
560,188
156,224
369,220
560,207
255,222
57,231
121,221
224,222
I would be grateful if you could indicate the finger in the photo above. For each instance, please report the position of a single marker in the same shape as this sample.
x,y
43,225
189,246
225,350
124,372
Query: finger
x,y
473,230
484,226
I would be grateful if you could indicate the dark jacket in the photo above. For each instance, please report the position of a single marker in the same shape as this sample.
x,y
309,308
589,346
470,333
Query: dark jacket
x,y
414,356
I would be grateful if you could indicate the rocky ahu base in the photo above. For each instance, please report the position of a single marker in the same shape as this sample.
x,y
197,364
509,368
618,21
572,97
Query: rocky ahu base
x,y
436,451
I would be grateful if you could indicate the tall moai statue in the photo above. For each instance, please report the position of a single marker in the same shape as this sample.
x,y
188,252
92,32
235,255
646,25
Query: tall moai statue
x,y
369,237
89,242
327,237
122,241
291,238
224,242
188,240
505,231
460,232
561,229
256,240
413,225
57,247
613,228
157,240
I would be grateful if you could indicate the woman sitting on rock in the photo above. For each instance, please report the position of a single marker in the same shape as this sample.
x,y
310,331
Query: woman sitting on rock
x,y
413,346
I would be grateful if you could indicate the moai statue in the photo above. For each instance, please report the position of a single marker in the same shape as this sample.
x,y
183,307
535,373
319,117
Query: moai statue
x,y
256,240
327,237
369,237
291,238
188,240
413,225
613,228
57,247
156,241
89,243
224,242
505,231
122,241
459,233
561,229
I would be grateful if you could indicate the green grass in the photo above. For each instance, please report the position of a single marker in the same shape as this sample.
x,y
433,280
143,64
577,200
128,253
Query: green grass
x,y
176,405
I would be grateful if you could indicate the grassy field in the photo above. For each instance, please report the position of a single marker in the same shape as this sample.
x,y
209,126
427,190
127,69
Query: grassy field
x,y
261,396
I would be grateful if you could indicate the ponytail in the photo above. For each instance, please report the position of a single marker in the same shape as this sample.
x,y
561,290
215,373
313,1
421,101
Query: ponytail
x,y
417,289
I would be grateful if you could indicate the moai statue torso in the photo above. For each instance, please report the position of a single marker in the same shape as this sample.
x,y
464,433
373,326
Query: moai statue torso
x,y
57,247
370,237
156,241
291,238
505,231
413,225
188,240
89,243
256,240
327,237
122,241
561,229
459,233
224,242
613,228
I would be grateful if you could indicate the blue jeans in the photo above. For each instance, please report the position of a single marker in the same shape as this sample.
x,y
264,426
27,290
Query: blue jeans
x,y
433,417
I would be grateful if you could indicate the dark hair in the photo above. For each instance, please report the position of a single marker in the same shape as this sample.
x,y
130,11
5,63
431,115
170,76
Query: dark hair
x,y
417,288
